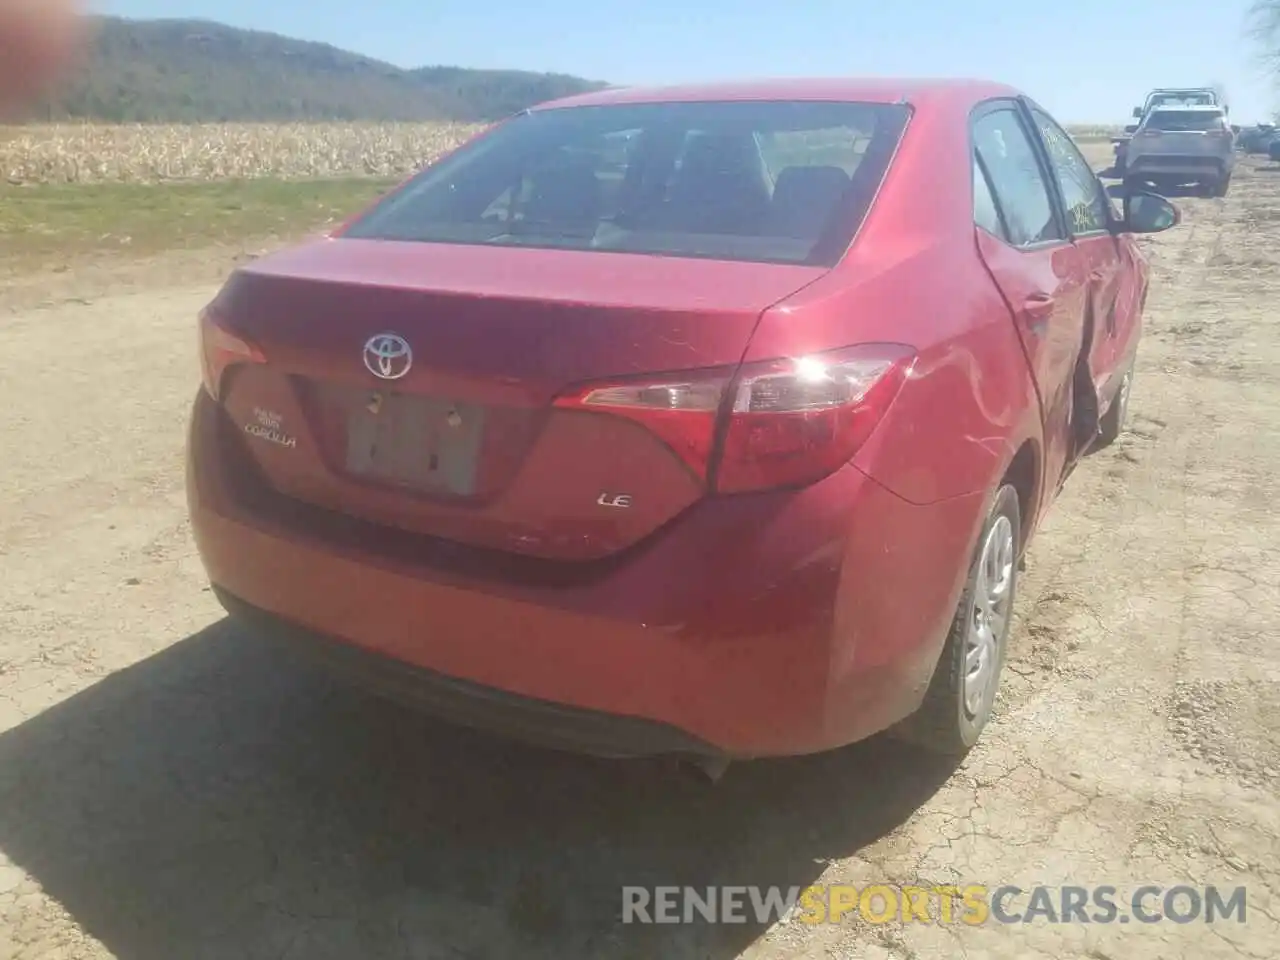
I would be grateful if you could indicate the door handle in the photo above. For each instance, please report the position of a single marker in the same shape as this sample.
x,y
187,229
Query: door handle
x,y
1036,310
1038,307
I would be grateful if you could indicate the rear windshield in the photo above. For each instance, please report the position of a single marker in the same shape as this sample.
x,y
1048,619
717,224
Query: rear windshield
x,y
1183,100
1187,120
786,182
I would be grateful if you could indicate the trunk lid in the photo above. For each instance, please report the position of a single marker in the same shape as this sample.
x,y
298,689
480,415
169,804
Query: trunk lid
x,y
466,445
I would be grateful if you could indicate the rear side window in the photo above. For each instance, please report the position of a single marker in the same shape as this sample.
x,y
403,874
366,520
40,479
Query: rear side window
x,y
1188,120
1017,180
778,181
1181,100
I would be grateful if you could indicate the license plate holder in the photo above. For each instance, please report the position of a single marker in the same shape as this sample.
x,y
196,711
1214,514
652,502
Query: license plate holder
x,y
427,444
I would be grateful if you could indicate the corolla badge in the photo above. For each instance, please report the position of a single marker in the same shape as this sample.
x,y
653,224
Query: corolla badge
x,y
388,356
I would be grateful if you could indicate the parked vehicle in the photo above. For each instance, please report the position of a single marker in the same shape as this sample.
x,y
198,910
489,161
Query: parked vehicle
x,y
732,454
1256,138
1180,146
1162,97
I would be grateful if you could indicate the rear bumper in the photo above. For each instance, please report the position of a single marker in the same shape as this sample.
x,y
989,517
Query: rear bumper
x,y
1175,165
779,624
482,708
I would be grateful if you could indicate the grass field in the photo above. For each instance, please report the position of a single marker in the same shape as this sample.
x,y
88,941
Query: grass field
x,y
68,189
66,220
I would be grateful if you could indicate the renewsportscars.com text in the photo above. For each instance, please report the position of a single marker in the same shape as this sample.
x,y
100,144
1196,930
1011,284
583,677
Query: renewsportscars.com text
x,y
973,905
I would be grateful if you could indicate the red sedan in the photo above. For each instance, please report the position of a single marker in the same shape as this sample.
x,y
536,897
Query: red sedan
x,y
704,421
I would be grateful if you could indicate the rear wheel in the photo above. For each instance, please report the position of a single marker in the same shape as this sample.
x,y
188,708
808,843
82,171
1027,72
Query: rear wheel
x,y
1219,188
958,704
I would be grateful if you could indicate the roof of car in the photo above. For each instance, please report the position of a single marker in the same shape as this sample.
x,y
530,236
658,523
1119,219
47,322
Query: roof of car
x,y
867,89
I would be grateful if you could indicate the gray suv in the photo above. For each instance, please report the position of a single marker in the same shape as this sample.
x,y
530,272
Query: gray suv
x,y
1177,146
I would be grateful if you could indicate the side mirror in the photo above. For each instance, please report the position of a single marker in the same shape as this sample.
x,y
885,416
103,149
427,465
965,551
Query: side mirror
x,y
1146,212
1137,113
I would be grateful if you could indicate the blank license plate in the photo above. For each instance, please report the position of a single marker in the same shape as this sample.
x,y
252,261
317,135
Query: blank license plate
x,y
423,443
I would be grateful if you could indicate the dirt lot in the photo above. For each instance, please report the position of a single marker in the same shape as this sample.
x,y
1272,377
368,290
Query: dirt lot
x,y
171,790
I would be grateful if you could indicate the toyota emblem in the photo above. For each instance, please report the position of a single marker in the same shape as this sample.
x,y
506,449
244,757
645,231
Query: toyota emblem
x,y
388,356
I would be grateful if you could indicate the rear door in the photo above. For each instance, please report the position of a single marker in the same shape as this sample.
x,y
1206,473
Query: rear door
x,y
1108,321
1041,273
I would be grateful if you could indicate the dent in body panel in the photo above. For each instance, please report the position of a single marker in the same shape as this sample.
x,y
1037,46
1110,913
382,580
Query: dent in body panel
x,y
1130,304
1050,342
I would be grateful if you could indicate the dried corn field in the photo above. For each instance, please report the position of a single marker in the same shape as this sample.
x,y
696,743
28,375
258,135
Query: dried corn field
x,y
101,153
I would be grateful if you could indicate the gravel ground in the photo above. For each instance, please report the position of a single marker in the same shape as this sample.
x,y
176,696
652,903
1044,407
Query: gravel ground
x,y
171,789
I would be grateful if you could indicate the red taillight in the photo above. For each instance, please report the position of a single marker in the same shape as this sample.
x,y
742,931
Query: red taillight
x,y
220,349
680,411
796,421
786,422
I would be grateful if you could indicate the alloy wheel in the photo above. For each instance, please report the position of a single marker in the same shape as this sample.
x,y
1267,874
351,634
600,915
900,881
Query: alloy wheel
x,y
989,618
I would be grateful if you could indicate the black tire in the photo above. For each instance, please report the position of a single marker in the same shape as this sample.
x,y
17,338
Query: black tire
x,y
1112,423
945,724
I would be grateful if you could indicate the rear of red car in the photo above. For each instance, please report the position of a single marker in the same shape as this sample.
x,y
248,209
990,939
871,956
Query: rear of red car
x,y
493,448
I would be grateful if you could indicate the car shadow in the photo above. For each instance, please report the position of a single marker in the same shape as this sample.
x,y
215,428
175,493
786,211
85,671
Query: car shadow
x,y
222,800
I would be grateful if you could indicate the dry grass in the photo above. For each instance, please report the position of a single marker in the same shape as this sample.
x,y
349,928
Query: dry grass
x,y
1092,133
100,153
